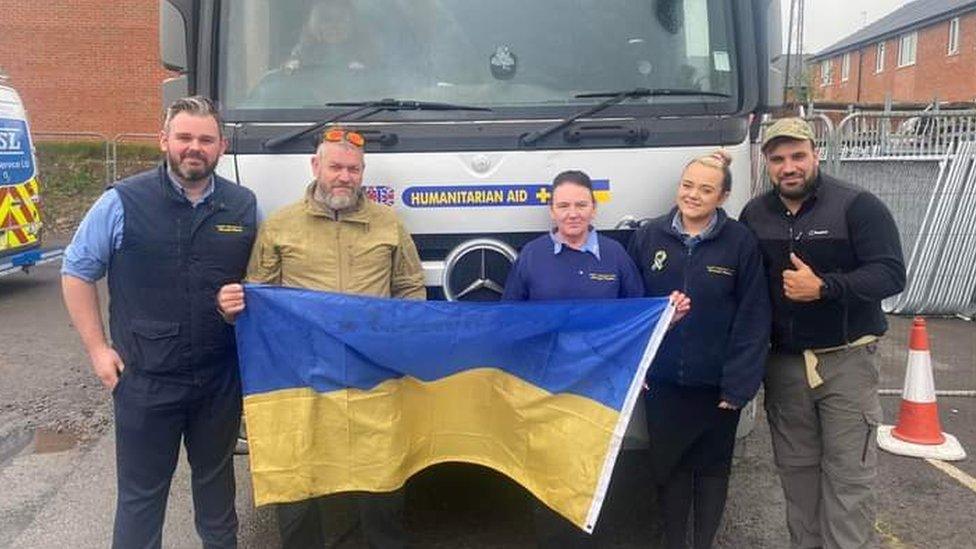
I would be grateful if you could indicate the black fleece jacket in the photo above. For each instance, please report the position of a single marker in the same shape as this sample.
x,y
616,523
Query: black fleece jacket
x,y
724,339
849,239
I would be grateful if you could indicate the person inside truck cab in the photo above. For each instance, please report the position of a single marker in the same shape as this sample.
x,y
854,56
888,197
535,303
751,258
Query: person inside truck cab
x,y
334,59
711,364
330,39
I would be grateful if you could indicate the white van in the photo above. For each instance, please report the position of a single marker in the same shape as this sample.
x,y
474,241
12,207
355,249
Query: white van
x,y
21,225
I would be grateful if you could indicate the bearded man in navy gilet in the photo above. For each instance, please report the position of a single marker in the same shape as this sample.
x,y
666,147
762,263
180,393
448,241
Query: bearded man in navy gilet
x,y
168,239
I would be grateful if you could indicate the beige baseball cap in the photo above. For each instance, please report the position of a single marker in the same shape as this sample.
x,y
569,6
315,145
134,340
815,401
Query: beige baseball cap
x,y
794,128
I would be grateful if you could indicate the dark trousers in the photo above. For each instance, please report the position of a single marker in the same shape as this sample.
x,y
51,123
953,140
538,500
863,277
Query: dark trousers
x,y
691,453
328,521
151,417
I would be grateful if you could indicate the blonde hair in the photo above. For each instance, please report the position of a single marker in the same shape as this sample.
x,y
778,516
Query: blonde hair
x,y
719,159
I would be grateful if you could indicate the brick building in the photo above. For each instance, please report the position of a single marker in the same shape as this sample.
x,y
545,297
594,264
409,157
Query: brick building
x,y
84,65
923,51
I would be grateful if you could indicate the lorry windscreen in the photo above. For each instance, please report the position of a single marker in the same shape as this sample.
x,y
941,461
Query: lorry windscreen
x,y
515,56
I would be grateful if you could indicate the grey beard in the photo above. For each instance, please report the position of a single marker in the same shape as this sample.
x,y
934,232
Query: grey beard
x,y
337,203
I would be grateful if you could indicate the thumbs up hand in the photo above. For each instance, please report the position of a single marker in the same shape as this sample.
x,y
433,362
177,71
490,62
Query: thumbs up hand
x,y
798,263
800,283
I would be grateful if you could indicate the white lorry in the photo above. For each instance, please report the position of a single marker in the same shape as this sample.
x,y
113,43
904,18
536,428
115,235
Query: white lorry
x,y
469,107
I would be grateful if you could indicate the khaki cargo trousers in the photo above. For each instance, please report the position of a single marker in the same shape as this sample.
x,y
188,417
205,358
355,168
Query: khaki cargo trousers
x,y
824,445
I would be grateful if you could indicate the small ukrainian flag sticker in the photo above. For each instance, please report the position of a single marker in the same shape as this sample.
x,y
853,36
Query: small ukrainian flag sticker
x,y
601,190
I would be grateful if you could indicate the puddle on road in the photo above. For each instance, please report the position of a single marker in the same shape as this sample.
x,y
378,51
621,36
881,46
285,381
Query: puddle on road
x,y
37,441
48,441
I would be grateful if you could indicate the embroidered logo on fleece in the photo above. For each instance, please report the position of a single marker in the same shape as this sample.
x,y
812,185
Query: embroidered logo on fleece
x,y
720,270
603,277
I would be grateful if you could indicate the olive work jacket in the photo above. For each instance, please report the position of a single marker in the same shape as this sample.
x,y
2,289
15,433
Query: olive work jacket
x,y
364,251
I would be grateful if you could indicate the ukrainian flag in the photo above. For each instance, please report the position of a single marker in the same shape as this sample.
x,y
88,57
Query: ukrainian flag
x,y
601,190
347,393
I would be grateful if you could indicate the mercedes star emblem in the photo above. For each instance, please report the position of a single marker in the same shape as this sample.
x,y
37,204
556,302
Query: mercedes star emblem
x,y
479,275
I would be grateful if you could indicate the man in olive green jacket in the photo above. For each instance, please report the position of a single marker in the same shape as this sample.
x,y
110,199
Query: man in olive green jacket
x,y
362,249
335,239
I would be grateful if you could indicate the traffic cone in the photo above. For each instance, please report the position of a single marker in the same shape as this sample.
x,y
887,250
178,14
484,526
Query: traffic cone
x,y
919,433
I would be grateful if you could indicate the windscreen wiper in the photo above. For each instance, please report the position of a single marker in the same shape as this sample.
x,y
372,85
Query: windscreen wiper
x,y
374,107
659,92
613,98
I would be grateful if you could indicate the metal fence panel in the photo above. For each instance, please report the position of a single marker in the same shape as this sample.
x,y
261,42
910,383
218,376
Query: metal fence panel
x,y
904,186
120,167
916,135
941,278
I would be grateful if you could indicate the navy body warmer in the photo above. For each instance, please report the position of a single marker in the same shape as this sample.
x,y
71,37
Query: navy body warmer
x,y
164,279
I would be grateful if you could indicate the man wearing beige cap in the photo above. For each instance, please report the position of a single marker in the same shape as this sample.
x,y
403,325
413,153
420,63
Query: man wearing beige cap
x,y
832,253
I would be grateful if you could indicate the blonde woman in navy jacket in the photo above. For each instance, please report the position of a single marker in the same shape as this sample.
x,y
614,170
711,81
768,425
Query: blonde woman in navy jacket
x,y
711,363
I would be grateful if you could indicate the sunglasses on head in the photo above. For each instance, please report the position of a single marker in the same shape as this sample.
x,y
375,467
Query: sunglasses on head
x,y
338,136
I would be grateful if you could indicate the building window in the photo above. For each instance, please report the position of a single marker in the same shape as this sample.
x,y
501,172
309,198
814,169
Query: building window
x,y
954,36
845,67
906,49
880,58
825,72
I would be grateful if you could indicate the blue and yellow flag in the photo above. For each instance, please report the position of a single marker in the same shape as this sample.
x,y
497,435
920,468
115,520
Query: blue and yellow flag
x,y
346,393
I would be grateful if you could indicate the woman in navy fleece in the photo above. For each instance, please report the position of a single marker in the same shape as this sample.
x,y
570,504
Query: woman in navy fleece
x,y
573,262
710,364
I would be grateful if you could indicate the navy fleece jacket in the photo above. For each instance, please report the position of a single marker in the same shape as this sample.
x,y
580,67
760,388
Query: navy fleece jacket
x,y
724,339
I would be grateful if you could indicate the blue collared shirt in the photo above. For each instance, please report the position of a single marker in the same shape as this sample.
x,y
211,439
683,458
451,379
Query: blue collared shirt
x,y
100,233
691,241
592,244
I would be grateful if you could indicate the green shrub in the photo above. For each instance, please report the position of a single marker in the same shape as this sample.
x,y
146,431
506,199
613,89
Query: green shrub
x,y
73,175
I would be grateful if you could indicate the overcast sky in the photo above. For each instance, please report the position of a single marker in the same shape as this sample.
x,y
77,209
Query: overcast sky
x,y
827,21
